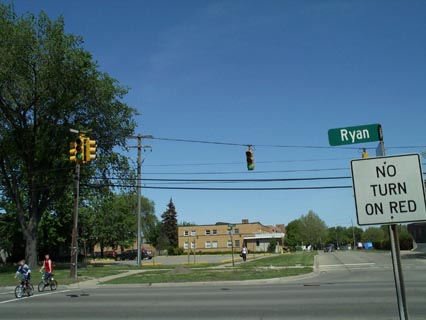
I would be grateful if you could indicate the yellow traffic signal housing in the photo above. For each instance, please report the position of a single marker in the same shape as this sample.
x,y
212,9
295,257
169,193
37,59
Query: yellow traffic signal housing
x,y
73,151
364,154
76,150
250,159
90,149
79,155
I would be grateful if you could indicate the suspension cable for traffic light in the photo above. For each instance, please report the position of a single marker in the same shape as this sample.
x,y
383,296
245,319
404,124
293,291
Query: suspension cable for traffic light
x,y
274,145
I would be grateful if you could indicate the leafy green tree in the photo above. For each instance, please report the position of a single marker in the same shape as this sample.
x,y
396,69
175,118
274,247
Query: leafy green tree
x,y
293,237
313,229
111,221
10,240
272,245
149,219
169,228
49,84
357,231
373,234
154,236
339,235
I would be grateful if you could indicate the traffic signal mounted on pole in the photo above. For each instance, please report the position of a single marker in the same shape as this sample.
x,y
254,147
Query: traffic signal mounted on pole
x,y
73,151
76,150
90,148
250,159
79,154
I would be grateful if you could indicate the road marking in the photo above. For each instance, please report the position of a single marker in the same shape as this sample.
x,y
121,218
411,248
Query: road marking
x,y
348,264
9,292
34,296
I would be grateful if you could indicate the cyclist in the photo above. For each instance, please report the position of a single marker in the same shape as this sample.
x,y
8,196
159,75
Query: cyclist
x,y
25,272
47,266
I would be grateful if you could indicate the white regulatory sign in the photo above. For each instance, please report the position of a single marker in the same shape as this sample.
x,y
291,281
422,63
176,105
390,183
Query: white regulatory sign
x,y
389,190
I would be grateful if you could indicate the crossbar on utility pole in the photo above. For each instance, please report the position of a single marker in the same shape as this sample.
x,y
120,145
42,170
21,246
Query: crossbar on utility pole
x,y
139,191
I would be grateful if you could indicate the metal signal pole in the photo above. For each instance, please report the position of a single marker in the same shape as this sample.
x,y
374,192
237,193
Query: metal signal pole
x,y
74,240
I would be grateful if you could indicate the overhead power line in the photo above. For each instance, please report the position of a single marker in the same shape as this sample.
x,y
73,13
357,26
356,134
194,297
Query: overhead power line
x,y
239,180
221,188
244,172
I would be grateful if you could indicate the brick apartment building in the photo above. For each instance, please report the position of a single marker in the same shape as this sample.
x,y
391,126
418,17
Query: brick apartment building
x,y
216,237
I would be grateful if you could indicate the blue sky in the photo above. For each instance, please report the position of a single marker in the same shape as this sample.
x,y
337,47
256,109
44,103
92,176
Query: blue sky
x,y
261,73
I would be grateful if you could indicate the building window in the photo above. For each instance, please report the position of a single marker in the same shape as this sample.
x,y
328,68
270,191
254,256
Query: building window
x,y
193,245
208,245
207,232
236,231
237,243
229,244
215,232
186,233
257,243
193,233
185,245
214,244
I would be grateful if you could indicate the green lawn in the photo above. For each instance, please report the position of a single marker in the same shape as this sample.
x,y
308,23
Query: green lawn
x,y
209,275
283,260
61,275
298,263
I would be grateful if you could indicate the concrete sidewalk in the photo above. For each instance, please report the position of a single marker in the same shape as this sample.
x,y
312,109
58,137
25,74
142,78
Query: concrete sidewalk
x,y
95,282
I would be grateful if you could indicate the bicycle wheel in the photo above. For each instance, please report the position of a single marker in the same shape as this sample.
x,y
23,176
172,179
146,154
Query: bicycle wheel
x,y
53,285
41,286
30,290
19,291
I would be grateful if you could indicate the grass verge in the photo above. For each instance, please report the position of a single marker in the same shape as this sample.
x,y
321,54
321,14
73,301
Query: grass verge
x,y
282,266
283,260
61,275
209,275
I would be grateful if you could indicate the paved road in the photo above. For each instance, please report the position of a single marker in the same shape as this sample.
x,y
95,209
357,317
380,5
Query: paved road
x,y
349,285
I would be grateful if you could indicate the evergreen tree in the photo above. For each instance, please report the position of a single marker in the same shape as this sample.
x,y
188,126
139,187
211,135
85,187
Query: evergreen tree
x,y
169,227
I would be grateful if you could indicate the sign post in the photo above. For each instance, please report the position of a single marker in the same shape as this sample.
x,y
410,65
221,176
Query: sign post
x,y
231,234
390,190
387,190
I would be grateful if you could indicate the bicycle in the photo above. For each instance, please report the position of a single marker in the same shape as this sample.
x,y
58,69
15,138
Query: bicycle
x,y
49,282
25,287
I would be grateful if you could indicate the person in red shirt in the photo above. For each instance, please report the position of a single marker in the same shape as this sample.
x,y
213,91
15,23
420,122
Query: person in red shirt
x,y
47,266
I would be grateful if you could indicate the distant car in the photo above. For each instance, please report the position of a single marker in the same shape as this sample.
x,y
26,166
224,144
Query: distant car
x,y
147,254
127,255
329,248
133,254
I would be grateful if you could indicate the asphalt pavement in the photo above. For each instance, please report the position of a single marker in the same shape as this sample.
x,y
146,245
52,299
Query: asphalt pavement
x,y
346,285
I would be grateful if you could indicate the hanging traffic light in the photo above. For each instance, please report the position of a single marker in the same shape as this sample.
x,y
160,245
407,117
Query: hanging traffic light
x,y
79,155
250,159
73,151
90,148
364,154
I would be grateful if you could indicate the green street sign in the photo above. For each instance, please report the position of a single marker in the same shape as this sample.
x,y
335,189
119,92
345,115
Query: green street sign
x,y
352,135
231,225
